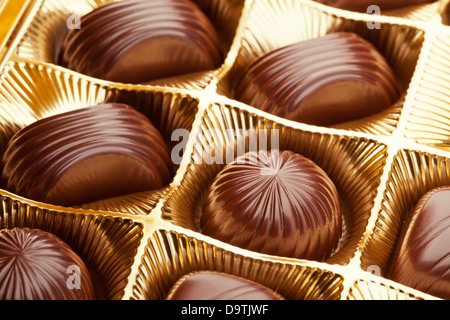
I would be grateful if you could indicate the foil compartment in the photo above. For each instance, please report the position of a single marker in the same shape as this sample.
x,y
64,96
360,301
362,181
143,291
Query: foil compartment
x,y
428,119
416,12
44,37
372,288
381,151
107,244
413,174
357,172
273,24
173,252
31,91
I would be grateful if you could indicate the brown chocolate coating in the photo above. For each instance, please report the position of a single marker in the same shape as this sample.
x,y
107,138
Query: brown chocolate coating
x,y
136,41
309,83
362,5
423,261
86,155
278,203
445,13
37,265
209,285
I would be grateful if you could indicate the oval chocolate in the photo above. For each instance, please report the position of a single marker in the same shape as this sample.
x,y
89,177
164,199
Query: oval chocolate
x,y
136,41
423,260
210,285
87,155
308,83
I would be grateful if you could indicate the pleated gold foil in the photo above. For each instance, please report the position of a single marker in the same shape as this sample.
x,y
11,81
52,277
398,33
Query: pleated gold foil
x,y
137,246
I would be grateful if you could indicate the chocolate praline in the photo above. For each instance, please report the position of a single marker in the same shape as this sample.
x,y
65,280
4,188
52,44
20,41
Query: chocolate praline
x,y
423,260
136,41
274,202
37,265
86,155
309,83
210,285
363,5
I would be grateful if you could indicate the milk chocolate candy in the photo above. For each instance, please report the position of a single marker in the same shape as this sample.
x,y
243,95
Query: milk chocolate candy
x,y
209,285
423,261
86,155
274,202
363,5
37,265
324,81
136,41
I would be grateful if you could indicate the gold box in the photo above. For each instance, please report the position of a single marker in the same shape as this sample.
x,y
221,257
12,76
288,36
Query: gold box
x,y
138,245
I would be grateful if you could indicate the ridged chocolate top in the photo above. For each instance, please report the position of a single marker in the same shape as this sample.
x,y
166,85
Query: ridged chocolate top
x,y
86,155
362,5
209,285
324,81
423,261
278,203
135,41
37,265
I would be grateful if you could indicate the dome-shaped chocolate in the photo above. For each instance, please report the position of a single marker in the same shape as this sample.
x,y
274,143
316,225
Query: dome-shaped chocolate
x,y
423,261
86,155
310,83
37,265
278,203
136,41
210,285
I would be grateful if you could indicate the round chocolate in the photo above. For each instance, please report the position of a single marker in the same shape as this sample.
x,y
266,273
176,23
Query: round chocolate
x,y
363,5
86,155
210,285
37,265
308,83
423,260
136,41
278,203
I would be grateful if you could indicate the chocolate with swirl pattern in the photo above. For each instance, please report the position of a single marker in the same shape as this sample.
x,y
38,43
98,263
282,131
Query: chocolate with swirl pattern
x,y
274,202
37,265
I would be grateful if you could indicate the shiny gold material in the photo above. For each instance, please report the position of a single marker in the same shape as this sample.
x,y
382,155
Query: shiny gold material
x,y
139,245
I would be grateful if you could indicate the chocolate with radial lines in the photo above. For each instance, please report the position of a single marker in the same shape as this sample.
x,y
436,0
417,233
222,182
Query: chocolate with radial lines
x,y
274,202
37,265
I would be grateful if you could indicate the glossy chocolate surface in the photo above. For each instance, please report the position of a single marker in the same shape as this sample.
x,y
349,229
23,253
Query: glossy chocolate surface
x,y
309,83
37,265
278,203
136,41
423,261
209,285
86,155
362,5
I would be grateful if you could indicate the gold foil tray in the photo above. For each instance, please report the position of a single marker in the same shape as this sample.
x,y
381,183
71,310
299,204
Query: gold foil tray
x,y
137,246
